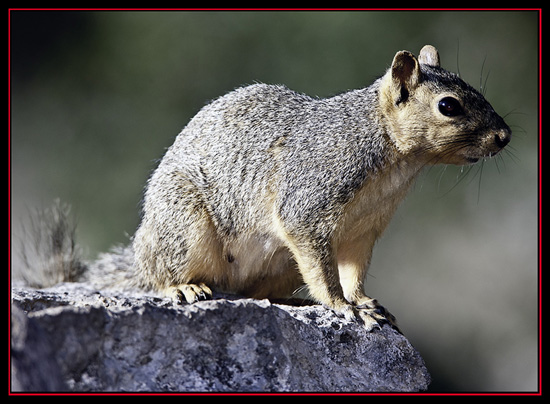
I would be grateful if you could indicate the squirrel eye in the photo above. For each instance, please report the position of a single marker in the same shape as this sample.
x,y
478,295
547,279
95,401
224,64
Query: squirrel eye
x,y
450,106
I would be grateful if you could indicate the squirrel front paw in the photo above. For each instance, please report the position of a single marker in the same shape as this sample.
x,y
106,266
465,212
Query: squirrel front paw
x,y
189,292
370,311
370,314
375,318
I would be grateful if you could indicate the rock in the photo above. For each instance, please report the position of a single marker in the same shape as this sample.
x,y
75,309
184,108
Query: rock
x,y
72,337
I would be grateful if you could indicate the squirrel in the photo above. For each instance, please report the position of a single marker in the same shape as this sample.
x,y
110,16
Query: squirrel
x,y
266,189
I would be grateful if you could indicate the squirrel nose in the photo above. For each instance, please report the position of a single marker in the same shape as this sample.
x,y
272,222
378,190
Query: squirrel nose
x,y
502,138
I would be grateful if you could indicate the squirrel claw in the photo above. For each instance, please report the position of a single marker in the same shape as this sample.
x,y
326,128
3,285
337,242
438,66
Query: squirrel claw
x,y
365,315
189,292
370,322
375,315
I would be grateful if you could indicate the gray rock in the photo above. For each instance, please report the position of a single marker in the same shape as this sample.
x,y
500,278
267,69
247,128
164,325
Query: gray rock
x,y
72,337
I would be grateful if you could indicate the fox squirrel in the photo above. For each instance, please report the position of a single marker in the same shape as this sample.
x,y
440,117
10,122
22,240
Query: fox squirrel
x,y
267,189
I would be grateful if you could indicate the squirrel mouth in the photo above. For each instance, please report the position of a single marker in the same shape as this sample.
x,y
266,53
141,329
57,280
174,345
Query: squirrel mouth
x,y
475,159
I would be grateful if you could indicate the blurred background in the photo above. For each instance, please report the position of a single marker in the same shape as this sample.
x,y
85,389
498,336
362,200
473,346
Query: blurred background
x,y
97,97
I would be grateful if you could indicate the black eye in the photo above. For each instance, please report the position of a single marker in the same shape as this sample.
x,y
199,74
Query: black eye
x,y
450,106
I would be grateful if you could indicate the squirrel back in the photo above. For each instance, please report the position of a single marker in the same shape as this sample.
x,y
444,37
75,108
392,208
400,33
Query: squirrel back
x,y
266,190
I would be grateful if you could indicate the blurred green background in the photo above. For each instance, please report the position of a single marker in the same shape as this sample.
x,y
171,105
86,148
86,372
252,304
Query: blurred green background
x,y
97,97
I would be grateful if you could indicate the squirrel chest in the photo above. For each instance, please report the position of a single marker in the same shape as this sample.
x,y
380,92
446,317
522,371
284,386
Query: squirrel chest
x,y
373,205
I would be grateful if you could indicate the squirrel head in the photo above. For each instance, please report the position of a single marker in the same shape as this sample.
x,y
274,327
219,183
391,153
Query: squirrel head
x,y
432,112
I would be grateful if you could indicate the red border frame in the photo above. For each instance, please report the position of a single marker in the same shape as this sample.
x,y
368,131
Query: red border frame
x,y
538,393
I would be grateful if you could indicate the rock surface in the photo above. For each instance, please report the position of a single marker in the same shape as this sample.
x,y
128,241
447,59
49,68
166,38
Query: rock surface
x,y
74,338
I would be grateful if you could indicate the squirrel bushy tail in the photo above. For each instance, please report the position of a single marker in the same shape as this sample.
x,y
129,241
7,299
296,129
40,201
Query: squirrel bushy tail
x,y
48,250
49,254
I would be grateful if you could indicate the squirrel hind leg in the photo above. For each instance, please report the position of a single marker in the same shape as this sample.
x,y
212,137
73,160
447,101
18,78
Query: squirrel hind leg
x,y
188,292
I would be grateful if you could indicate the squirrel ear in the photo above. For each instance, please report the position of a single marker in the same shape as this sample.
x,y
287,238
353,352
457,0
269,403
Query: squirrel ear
x,y
429,56
405,70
